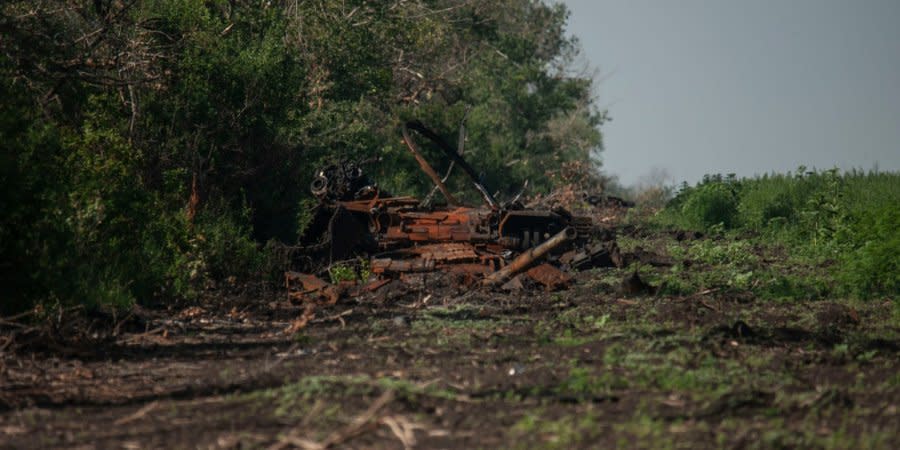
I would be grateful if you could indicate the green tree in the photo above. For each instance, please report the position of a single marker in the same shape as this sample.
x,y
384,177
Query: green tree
x,y
151,145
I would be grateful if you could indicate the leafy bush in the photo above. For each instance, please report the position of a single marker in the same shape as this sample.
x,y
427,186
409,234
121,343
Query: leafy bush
x,y
776,198
709,205
358,270
851,217
225,249
160,153
873,264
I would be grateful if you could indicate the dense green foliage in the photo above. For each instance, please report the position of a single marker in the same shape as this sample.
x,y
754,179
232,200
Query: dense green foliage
x,y
153,146
847,220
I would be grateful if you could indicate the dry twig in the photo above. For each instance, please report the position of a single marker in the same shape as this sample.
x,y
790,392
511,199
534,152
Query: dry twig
x,y
338,317
358,426
138,414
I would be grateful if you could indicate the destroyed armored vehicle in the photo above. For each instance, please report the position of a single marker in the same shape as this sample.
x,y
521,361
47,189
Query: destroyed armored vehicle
x,y
400,236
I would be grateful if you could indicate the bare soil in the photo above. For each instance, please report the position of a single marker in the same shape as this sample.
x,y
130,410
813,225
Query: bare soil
x,y
584,368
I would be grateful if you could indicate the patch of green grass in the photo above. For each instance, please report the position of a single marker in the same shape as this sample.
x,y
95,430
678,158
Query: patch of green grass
x,y
359,270
737,264
457,326
717,252
789,287
294,399
628,244
647,432
849,217
406,388
582,318
570,339
535,430
583,381
774,433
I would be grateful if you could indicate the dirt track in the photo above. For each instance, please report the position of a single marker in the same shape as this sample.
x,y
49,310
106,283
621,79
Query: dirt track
x,y
581,368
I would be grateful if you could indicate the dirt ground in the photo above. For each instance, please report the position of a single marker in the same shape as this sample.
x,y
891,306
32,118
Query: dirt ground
x,y
595,366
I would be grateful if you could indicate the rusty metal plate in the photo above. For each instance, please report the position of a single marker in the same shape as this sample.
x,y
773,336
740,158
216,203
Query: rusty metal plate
x,y
388,265
549,276
304,288
449,252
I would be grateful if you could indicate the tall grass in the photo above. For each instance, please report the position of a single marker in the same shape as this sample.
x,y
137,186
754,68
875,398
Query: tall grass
x,y
852,218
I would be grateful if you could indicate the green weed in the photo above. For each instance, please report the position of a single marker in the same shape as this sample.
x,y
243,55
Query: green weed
x,y
709,205
818,217
561,433
359,270
582,381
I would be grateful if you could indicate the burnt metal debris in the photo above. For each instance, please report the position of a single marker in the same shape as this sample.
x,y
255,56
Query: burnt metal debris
x,y
495,245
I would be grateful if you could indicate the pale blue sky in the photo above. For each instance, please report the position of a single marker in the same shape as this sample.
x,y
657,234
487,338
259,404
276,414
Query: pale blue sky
x,y
744,86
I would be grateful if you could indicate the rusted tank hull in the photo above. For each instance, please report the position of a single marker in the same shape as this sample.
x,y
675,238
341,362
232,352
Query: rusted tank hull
x,y
401,238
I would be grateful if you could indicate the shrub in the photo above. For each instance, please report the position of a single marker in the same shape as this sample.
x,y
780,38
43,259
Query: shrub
x,y
767,200
229,106
710,204
849,217
873,266
224,249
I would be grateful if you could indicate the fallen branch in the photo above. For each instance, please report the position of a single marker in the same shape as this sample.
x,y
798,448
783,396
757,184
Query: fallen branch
x,y
138,414
11,324
404,429
9,340
338,317
358,426
703,302
18,316
706,292
146,334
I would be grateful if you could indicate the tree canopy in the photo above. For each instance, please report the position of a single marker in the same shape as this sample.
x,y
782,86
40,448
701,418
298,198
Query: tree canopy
x,y
154,144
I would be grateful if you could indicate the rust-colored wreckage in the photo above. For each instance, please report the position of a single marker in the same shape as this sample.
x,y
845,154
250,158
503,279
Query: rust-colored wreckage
x,y
399,240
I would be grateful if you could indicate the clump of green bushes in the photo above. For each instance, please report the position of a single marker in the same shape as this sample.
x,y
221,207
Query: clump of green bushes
x,y
153,149
711,204
849,218
871,264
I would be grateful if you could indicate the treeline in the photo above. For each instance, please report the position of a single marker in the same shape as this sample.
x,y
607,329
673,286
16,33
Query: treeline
x,y
846,221
152,147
